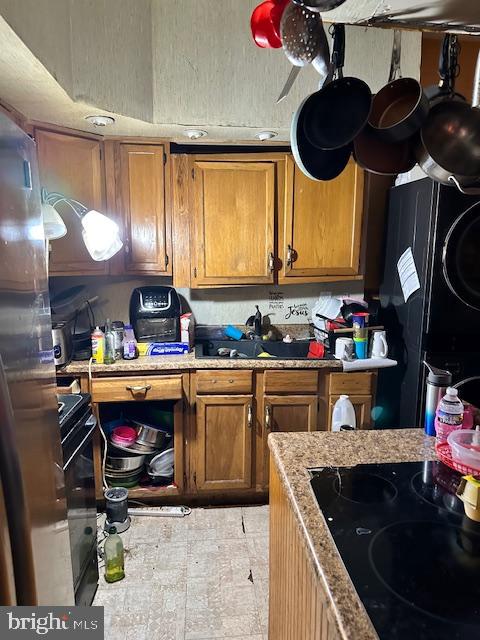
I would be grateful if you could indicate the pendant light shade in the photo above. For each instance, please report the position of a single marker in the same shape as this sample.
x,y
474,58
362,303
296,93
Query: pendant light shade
x,y
101,235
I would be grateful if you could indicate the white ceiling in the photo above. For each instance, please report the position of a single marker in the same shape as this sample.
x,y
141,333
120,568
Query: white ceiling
x,y
160,66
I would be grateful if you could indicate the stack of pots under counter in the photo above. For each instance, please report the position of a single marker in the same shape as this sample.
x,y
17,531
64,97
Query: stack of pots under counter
x,y
139,453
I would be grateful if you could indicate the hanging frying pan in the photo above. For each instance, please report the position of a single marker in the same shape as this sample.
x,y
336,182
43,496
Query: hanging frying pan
x,y
337,113
377,155
400,108
449,143
315,163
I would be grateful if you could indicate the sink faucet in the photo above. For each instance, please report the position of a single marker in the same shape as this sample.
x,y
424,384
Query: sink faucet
x,y
255,322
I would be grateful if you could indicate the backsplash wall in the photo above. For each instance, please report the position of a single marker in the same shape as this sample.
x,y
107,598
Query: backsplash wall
x,y
289,304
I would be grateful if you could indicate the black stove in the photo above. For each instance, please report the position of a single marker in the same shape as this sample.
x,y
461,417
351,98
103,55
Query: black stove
x,y
77,427
71,407
412,554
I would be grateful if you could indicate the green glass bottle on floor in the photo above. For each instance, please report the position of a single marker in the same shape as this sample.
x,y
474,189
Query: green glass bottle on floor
x,y
114,557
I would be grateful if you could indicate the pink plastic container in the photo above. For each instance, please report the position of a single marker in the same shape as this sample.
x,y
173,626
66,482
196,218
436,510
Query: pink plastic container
x,y
124,436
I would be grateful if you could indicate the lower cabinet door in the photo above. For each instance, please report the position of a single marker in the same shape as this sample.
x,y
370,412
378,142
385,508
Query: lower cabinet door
x,y
363,410
224,443
290,413
285,413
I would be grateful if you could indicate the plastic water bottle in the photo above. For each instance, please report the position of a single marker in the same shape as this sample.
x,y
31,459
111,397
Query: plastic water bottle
x,y
343,415
449,414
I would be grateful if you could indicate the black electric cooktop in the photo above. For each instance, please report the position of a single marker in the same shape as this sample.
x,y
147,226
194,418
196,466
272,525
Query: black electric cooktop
x,y
411,552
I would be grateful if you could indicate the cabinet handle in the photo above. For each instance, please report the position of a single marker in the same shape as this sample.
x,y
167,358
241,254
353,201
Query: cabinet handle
x,y
268,417
289,255
271,262
249,416
144,388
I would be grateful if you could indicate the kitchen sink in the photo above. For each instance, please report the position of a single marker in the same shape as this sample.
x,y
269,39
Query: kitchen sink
x,y
296,350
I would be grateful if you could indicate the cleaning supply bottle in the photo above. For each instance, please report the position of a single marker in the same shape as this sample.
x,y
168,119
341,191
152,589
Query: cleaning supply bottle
x,y
449,414
98,346
343,417
109,343
114,557
130,351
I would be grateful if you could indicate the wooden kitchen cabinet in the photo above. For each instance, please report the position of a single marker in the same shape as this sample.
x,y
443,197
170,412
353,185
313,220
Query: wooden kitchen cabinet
x,y
233,222
141,198
72,165
223,443
283,413
320,232
360,388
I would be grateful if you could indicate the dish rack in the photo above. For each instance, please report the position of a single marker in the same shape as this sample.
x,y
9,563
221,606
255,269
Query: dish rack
x,y
444,454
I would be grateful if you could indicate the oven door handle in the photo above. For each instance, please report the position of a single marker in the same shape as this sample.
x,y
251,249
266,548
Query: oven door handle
x,y
92,421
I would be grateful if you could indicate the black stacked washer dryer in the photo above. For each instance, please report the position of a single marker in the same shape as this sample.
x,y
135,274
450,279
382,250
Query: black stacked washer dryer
x,y
440,322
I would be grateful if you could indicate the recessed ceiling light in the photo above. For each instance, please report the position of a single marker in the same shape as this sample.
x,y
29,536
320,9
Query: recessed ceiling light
x,y
266,135
100,121
194,134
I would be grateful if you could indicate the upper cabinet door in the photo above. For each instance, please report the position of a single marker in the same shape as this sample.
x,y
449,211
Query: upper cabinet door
x,y
143,200
234,222
322,225
71,165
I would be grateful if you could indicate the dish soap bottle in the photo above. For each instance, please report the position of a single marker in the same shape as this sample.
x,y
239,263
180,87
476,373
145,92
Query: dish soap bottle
x,y
114,557
109,343
343,417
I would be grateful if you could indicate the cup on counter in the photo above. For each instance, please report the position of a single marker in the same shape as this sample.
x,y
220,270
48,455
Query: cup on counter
x,y
344,349
360,322
361,348
379,346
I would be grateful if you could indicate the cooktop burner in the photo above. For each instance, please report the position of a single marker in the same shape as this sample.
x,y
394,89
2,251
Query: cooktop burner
x,y
367,488
412,554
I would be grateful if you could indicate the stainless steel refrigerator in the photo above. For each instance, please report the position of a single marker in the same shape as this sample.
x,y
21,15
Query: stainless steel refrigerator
x,y
35,563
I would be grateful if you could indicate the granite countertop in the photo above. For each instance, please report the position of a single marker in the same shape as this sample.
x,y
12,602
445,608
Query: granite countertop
x,y
293,453
188,362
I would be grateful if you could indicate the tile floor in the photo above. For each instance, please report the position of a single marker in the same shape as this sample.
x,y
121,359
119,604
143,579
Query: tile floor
x,y
201,577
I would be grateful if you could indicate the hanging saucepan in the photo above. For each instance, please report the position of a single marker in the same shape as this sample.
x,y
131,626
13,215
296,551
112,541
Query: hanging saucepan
x,y
315,163
471,123
319,5
375,154
448,70
337,113
449,141
400,108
